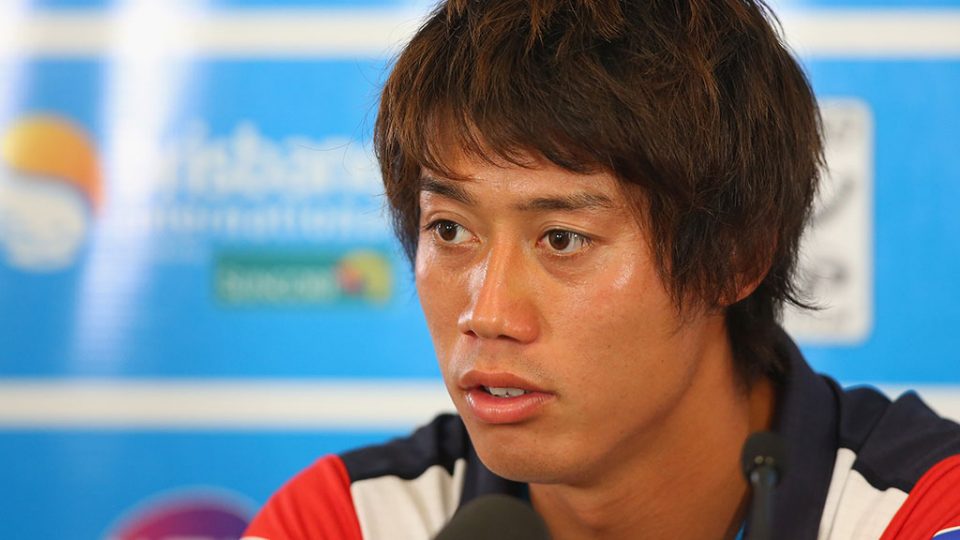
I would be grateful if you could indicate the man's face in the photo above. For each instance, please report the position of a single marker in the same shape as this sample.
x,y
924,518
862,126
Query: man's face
x,y
541,280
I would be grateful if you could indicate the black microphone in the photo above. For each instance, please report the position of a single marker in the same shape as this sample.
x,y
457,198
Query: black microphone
x,y
495,516
764,461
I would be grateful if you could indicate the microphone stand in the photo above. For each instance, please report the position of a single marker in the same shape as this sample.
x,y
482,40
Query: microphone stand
x,y
763,461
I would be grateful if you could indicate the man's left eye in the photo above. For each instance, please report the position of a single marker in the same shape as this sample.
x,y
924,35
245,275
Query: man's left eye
x,y
565,242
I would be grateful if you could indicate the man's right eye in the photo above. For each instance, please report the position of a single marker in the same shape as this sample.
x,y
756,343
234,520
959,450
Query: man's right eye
x,y
449,232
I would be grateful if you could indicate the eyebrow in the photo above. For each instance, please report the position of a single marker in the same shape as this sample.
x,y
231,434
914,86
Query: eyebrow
x,y
446,188
583,200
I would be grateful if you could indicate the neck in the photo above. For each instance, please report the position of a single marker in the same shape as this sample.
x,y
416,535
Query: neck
x,y
683,479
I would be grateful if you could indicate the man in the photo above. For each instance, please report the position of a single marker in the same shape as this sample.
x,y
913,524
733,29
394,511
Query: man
x,y
602,201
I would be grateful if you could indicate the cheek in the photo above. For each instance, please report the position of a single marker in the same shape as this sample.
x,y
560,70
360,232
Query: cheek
x,y
625,326
621,299
440,296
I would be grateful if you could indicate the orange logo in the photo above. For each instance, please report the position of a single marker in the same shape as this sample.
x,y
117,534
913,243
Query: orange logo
x,y
50,188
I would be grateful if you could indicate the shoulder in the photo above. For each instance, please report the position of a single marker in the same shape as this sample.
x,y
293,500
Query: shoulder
x,y
895,442
405,488
897,469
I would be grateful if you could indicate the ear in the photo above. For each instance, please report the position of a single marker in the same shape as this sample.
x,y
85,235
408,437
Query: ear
x,y
745,285
752,270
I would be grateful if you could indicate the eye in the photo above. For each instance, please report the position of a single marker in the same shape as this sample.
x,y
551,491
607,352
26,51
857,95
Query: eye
x,y
565,242
449,232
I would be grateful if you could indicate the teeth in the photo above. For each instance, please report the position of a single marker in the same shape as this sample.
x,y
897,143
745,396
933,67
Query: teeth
x,y
505,392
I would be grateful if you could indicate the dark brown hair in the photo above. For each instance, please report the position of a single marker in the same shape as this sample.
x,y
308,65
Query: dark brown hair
x,y
695,105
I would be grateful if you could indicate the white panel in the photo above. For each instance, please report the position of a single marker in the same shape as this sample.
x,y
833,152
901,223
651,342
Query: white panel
x,y
244,33
346,405
211,404
841,471
855,510
390,508
874,33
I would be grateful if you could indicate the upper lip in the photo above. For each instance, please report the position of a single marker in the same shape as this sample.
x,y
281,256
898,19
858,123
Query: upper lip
x,y
501,379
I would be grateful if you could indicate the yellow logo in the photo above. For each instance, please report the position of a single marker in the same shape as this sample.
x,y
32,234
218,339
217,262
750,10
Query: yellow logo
x,y
50,189
365,274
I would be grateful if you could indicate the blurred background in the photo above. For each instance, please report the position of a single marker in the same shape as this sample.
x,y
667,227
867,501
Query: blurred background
x,y
200,295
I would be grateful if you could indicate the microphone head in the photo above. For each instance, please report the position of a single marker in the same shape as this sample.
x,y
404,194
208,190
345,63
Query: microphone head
x,y
495,516
764,448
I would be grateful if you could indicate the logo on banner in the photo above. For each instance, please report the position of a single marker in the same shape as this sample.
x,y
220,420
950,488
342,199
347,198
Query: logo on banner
x,y
50,187
310,278
284,218
245,187
197,515
836,254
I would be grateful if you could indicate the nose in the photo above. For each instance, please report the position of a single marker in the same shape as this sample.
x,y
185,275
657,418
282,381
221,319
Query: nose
x,y
502,298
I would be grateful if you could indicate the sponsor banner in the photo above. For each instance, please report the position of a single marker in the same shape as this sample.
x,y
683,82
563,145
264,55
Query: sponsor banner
x,y
240,233
218,239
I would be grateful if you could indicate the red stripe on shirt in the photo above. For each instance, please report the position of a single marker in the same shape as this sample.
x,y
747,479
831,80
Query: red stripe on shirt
x,y
315,504
932,505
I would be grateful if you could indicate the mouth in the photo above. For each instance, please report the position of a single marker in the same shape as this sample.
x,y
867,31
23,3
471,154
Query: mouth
x,y
503,391
500,384
502,398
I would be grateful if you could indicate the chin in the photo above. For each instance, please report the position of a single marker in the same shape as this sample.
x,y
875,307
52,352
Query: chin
x,y
528,469
530,461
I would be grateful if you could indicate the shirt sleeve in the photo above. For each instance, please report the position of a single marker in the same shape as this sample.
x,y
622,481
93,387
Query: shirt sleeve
x,y
315,504
932,509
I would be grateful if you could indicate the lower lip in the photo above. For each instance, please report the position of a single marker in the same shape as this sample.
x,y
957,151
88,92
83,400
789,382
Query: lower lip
x,y
509,410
